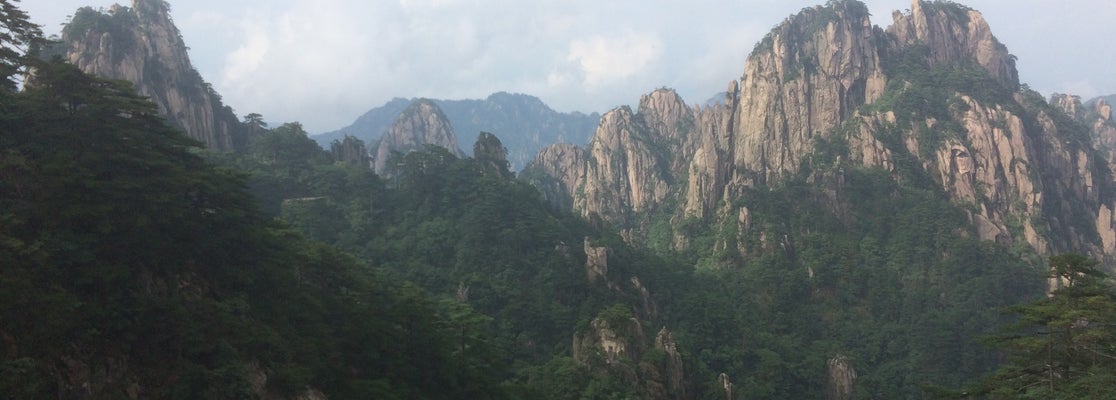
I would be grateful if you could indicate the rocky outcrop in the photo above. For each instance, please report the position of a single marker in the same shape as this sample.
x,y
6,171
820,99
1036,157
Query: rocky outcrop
x,y
422,123
727,386
596,262
954,35
491,154
609,340
627,166
1096,115
614,344
1020,170
840,376
710,164
807,76
141,45
350,150
1069,104
558,171
673,370
625,173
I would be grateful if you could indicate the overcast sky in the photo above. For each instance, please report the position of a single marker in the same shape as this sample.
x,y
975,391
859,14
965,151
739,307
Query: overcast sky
x,y
325,62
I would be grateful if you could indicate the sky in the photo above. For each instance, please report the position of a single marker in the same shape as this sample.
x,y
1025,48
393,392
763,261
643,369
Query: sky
x,y
325,62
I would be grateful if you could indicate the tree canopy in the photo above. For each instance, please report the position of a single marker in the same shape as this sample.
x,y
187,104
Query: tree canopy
x,y
1063,346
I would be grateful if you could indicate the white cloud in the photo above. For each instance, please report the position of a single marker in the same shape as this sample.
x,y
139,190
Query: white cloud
x,y
247,59
325,62
611,60
421,4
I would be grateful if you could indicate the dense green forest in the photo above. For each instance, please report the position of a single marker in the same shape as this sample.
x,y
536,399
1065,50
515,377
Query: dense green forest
x,y
132,264
135,264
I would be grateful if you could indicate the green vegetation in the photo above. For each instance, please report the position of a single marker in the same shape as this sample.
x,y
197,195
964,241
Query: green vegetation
x,y
117,23
917,88
805,24
132,260
878,274
126,256
456,229
1063,346
955,11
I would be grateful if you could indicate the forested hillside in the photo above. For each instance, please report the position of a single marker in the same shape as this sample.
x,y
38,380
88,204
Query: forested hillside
x,y
666,260
132,268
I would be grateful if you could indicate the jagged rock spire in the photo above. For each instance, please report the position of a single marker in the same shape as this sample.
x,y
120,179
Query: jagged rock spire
x,y
141,44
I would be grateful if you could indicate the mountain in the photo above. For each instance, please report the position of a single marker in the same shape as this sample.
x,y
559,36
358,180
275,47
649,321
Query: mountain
x,y
135,269
140,44
1108,99
933,97
1096,116
420,124
856,180
524,123
856,213
370,125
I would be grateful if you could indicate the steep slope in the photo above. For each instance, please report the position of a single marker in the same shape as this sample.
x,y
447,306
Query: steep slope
x,y
133,269
370,126
956,36
525,123
1110,99
141,45
935,92
855,181
465,229
557,171
422,123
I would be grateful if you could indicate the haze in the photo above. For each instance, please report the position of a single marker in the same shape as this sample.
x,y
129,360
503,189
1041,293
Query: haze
x,y
325,62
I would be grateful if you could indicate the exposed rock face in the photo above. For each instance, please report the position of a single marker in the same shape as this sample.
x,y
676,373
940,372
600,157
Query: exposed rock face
x,y
627,167
350,150
710,164
727,385
614,344
625,171
954,34
611,341
422,123
141,45
675,376
558,171
1020,169
1069,104
491,153
1097,115
841,377
596,262
808,75
993,171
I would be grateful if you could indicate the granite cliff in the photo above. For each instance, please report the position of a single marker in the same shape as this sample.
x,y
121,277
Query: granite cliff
x,y
422,123
935,91
140,44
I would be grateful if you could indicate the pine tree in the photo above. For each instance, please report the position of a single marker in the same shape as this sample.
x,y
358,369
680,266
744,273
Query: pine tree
x,y
1064,346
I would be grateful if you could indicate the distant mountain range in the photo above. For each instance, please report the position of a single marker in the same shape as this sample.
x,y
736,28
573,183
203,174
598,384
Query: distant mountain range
x,y
1107,99
522,122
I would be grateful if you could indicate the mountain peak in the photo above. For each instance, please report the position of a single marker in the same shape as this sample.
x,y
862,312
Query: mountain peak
x,y
151,7
420,124
141,45
954,35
